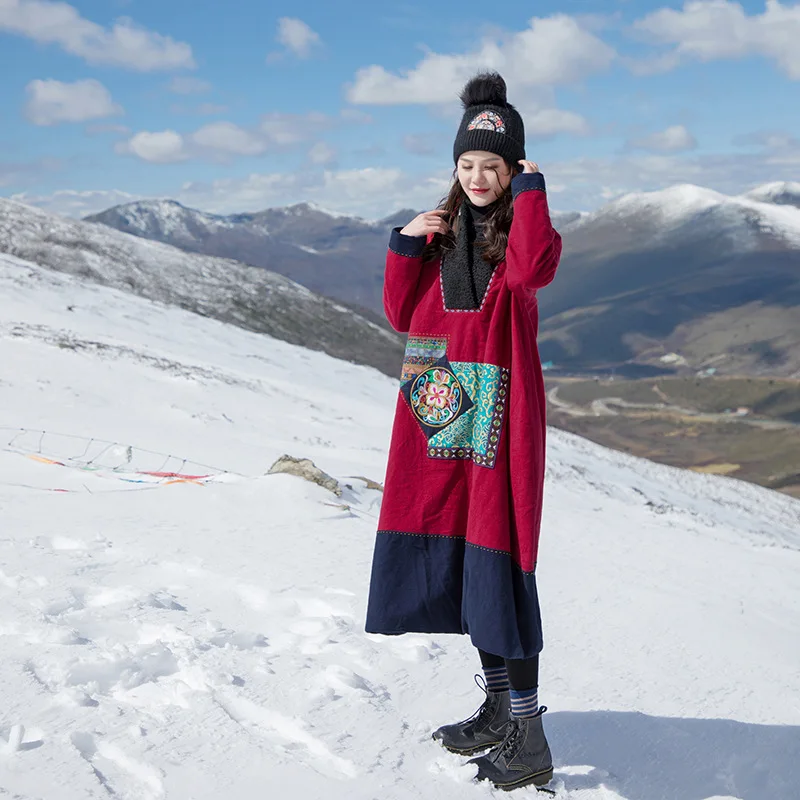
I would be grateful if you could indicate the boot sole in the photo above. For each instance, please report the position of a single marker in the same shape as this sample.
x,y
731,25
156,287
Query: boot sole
x,y
538,779
469,751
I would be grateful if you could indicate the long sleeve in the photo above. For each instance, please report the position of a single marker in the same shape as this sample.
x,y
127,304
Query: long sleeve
x,y
534,246
403,269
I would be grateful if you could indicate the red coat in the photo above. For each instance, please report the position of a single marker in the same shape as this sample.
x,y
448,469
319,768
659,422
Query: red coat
x,y
458,532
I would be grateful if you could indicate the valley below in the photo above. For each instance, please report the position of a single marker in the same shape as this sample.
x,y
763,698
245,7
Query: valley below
x,y
745,428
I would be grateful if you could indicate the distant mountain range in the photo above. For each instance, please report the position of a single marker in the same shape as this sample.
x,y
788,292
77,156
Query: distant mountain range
x,y
335,255
250,297
681,279
341,257
685,277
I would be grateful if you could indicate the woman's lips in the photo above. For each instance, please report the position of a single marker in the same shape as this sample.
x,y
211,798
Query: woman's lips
x,y
479,191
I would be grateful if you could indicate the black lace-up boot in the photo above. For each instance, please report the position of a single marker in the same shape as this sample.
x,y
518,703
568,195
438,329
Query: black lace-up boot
x,y
484,729
521,759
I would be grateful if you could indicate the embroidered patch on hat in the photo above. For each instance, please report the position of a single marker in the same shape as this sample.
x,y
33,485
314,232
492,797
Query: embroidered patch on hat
x,y
487,121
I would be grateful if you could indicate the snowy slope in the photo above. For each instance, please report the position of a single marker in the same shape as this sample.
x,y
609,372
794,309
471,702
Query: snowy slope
x,y
187,641
332,254
252,298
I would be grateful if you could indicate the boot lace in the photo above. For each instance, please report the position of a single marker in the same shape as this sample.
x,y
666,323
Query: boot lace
x,y
486,711
508,747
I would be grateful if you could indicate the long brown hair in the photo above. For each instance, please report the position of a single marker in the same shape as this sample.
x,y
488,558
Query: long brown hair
x,y
497,223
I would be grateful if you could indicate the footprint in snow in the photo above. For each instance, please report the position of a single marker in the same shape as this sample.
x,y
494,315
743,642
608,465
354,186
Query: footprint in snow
x,y
286,731
337,681
114,768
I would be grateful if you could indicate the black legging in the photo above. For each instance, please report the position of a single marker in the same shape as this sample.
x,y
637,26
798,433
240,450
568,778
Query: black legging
x,y
523,673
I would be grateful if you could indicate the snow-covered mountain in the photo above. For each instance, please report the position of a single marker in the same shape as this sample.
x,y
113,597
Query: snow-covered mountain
x,y
785,193
253,298
335,255
687,270
173,223
199,632
693,213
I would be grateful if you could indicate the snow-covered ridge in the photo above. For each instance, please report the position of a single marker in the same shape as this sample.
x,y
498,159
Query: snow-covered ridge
x,y
686,203
251,297
167,217
780,192
170,217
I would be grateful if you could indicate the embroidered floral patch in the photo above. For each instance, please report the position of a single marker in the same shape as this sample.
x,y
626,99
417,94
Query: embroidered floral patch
x,y
476,433
421,353
487,121
436,397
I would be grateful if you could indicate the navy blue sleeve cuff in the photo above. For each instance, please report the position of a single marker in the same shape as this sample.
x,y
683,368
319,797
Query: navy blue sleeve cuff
x,y
527,182
404,245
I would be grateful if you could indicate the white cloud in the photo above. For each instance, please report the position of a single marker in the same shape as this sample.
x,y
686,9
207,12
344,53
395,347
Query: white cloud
x,y
551,51
123,45
161,147
547,122
322,153
222,140
582,183
183,84
671,140
287,129
707,30
371,192
77,204
588,182
50,102
772,140
296,36
230,139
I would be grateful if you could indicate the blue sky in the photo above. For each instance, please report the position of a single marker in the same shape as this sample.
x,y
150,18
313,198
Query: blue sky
x,y
240,106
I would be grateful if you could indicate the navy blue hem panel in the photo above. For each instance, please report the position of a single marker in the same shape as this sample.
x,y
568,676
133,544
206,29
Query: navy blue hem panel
x,y
425,583
526,182
416,584
404,245
500,608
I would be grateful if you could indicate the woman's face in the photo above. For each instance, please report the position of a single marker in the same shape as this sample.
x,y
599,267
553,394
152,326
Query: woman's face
x,y
483,176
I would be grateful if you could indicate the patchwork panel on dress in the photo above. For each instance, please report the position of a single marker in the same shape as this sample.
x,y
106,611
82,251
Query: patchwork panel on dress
x,y
476,432
421,353
436,397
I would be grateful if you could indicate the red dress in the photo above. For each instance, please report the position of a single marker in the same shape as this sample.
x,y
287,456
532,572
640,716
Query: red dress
x,y
458,532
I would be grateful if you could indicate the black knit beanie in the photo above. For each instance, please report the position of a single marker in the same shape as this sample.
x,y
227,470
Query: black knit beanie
x,y
490,122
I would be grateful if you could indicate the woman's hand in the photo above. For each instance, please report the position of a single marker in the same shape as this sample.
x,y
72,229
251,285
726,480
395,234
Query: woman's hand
x,y
528,166
427,222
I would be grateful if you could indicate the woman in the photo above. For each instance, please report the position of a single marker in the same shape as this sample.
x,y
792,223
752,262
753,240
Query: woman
x,y
458,532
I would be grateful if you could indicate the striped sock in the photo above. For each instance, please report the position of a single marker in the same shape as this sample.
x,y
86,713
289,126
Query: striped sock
x,y
496,679
524,703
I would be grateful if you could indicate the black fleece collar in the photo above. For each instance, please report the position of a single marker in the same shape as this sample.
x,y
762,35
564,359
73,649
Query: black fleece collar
x,y
465,275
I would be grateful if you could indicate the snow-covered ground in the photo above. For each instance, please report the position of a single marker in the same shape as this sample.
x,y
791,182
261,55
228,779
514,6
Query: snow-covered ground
x,y
203,638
